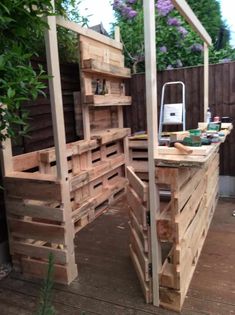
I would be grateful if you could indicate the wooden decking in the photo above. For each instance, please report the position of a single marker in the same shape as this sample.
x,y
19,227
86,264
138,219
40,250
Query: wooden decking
x,y
108,285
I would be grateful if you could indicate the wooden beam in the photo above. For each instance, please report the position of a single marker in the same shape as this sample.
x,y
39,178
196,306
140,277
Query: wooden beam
x,y
88,33
6,157
53,66
117,35
206,79
56,100
185,10
5,152
151,103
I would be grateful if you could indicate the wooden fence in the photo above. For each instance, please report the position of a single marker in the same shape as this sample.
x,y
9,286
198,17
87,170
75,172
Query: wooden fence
x,y
40,135
221,100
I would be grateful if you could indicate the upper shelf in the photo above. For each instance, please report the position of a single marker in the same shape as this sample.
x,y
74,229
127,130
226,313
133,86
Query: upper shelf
x,y
94,66
107,100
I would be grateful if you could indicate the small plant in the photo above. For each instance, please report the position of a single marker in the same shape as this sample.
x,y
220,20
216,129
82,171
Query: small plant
x,y
45,306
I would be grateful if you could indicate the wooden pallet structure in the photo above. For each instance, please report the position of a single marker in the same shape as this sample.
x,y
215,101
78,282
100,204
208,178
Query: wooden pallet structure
x,y
188,197
52,194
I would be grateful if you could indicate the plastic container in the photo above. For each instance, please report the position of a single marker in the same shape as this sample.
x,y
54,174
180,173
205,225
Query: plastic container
x,y
208,115
195,132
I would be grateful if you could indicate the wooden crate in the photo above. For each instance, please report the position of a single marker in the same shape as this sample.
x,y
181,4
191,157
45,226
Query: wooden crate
x,y
188,197
35,209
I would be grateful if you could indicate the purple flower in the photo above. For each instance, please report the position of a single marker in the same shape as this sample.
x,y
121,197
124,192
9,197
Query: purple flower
x,y
225,60
164,7
182,31
132,14
196,48
169,67
163,49
173,21
131,1
126,10
117,5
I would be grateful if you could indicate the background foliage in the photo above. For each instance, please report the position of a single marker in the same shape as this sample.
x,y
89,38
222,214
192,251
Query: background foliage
x,y
177,45
21,39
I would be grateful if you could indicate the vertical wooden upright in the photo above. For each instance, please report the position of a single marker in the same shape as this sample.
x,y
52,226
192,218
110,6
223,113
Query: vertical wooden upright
x,y
151,102
206,79
59,139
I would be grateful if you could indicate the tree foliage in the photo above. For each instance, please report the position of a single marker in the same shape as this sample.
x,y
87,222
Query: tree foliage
x,y
22,30
20,27
176,43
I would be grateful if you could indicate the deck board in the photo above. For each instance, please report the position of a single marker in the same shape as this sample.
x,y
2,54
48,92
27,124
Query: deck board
x,y
108,285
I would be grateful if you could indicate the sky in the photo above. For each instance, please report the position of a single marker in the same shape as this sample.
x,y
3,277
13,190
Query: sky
x,y
228,12
101,11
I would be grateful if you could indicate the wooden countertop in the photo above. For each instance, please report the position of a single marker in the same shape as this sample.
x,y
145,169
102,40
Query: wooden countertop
x,y
172,157
179,160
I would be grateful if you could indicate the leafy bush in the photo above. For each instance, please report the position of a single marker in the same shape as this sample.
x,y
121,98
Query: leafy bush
x,y
176,43
22,30
20,27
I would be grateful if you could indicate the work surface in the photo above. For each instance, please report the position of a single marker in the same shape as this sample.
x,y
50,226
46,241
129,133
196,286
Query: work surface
x,y
108,285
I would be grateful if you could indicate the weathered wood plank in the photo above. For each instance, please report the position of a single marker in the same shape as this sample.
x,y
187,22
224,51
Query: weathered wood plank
x,y
38,231
107,100
94,66
32,188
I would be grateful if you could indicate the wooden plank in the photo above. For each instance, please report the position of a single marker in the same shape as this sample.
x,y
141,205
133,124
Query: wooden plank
x,y
170,299
39,211
145,287
187,190
140,188
38,268
137,207
38,251
28,188
206,79
107,100
38,231
167,276
143,235
59,137
140,254
109,135
182,160
185,10
83,146
88,33
184,218
93,49
151,103
106,167
95,66
25,161
56,97
198,151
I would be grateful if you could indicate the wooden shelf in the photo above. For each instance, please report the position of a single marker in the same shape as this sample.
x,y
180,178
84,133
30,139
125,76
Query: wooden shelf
x,y
95,66
107,100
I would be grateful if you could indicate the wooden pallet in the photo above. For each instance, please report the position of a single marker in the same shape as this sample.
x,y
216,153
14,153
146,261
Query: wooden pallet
x,y
35,211
188,198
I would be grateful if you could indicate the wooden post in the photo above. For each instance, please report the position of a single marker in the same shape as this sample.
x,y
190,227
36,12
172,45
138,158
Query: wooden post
x,y
151,103
6,153
6,157
206,79
117,35
59,138
117,38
